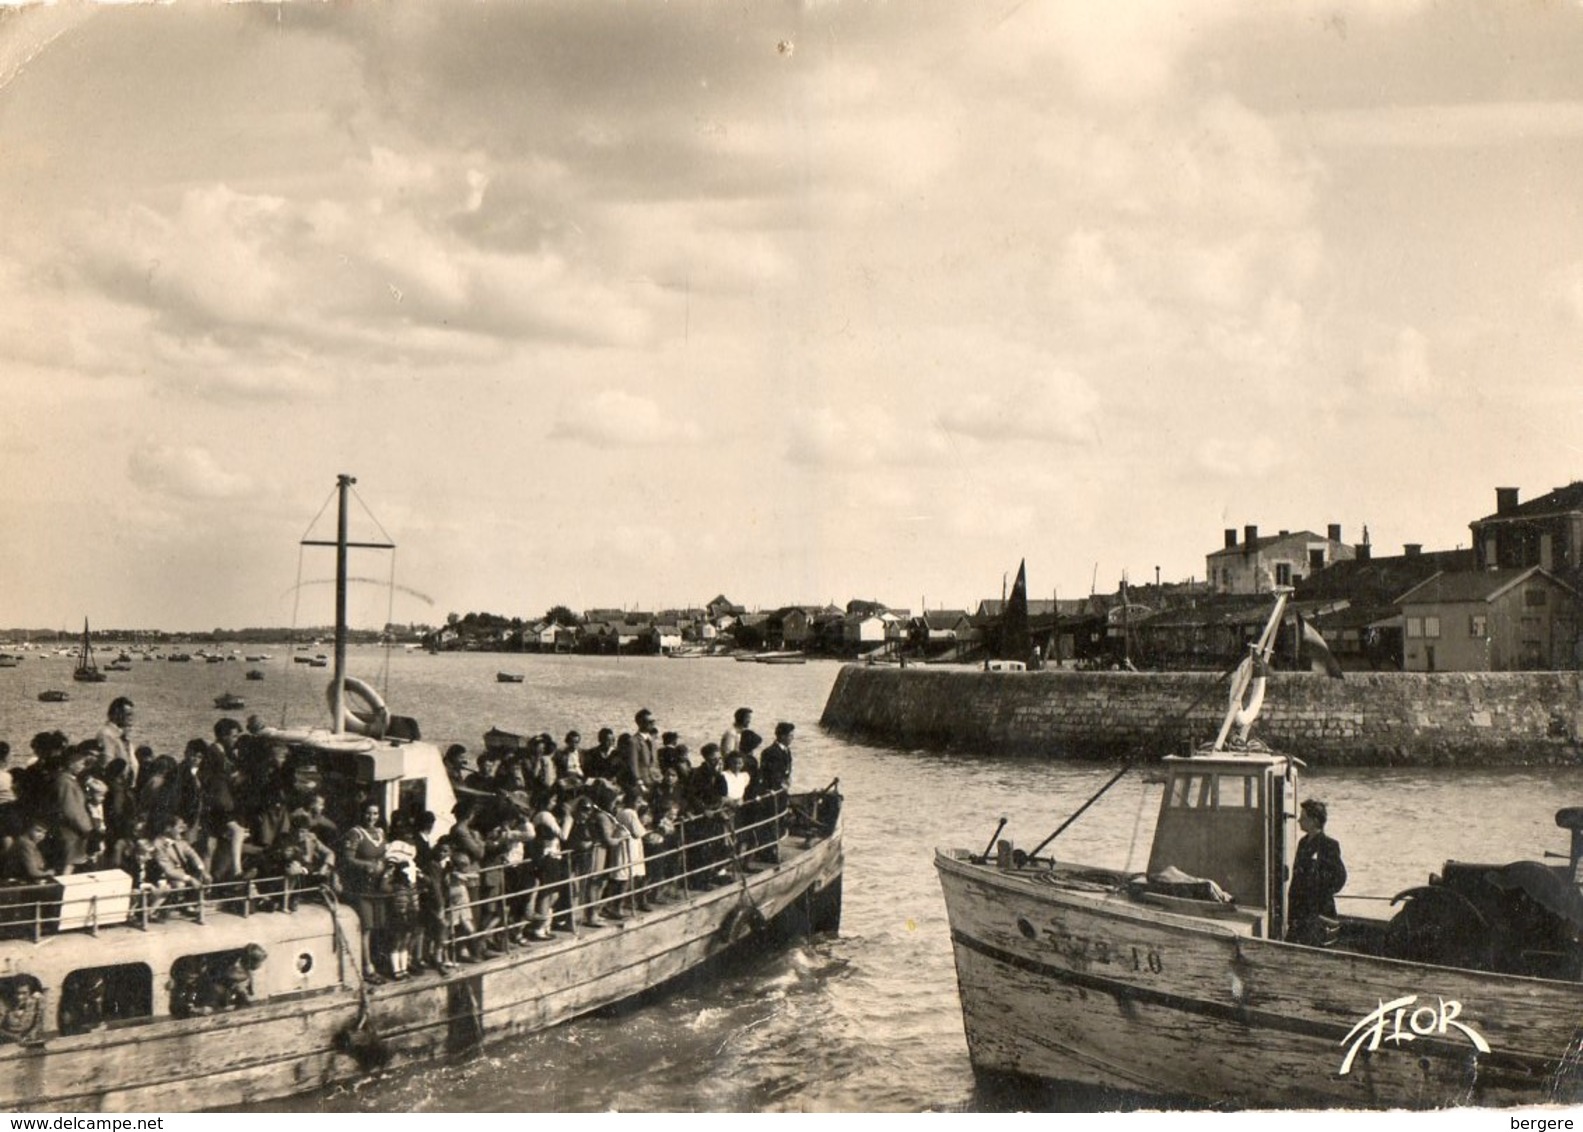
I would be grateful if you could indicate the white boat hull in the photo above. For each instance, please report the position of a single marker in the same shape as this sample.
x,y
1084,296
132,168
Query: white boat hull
x,y
300,1043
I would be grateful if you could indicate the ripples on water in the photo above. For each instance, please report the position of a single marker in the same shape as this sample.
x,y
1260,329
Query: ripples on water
x,y
868,1021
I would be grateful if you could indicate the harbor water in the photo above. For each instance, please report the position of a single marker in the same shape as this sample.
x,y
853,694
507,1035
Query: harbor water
x,y
866,1021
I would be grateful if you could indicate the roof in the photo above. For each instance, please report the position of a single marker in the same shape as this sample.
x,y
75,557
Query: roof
x,y
1474,585
1561,501
1264,542
943,618
1380,580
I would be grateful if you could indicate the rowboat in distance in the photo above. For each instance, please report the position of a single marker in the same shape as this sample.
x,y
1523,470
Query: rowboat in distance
x,y
508,677
105,1001
1196,983
781,656
53,696
254,674
229,701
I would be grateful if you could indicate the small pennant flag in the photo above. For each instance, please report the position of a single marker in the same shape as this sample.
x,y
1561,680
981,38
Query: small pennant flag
x,y
1311,647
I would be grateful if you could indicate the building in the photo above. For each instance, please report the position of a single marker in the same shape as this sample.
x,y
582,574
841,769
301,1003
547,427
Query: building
x,y
1258,563
1502,620
1546,532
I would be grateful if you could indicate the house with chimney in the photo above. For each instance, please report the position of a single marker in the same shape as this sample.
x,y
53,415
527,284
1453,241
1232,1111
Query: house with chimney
x,y
1259,562
1547,532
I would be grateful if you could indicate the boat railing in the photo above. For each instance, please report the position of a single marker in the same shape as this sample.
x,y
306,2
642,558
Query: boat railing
x,y
581,883
701,851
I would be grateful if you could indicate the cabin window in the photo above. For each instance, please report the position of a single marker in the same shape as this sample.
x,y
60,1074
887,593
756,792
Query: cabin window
x,y
1535,596
96,997
1431,626
1239,792
414,797
211,982
21,1010
1478,625
1415,627
1193,791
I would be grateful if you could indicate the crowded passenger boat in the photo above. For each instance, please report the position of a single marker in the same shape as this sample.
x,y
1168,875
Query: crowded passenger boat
x,y
274,910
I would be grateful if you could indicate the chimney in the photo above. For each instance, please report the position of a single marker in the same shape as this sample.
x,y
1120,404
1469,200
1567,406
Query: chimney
x,y
1364,551
1250,535
1333,532
1412,549
1231,538
1505,500
1283,532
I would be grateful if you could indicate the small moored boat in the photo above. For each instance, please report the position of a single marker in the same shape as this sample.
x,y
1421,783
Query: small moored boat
x,y
53,696
508,677
87,672
229,701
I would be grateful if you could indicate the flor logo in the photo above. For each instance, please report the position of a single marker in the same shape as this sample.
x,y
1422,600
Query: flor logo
x,y
1397,1022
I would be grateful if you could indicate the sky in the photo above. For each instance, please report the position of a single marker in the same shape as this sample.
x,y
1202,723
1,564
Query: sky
x,y
634,304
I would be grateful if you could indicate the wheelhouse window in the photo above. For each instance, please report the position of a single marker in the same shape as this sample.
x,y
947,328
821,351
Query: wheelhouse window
x,y
1217,791
97,997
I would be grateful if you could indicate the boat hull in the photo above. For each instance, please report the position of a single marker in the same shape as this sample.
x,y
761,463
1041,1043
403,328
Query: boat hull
x,y
1067,985
304,1043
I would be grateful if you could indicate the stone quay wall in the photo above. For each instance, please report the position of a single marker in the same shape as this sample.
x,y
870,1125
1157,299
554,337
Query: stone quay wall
x,y
1366,719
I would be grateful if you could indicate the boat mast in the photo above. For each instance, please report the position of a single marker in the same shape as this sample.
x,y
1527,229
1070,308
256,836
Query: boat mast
x,y
338,706
1246,670
343,484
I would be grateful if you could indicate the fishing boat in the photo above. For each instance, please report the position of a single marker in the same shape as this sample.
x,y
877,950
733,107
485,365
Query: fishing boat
x,y
1180,983
87,672
112,1013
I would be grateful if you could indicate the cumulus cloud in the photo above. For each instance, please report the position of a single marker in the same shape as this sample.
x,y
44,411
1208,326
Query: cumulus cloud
x,y
1241,457
185,473
617,419
1056,406
861,437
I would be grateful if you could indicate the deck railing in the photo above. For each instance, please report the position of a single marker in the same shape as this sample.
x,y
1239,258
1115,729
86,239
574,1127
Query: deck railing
x,y
576,884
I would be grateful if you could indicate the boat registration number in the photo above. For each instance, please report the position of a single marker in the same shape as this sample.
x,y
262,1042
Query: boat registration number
x,y
1085,949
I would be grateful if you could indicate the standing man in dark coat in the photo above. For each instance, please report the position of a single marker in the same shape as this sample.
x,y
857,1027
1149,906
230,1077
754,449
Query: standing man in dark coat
x,y
1317,875
775,772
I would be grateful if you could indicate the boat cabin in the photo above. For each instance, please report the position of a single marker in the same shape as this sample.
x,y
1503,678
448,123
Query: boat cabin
x,y
1229,818
348,769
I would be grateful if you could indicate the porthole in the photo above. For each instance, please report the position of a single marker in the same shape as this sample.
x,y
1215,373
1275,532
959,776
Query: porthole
x,y
1026,928
304,963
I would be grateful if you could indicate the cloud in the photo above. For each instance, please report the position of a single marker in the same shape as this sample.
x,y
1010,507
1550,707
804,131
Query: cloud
x,y
1401,369
1055,407
861,437
616,419
185,473
1446,126
1241,457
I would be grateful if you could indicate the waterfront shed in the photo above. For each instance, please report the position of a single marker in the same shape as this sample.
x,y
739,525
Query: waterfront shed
x,y
1490,621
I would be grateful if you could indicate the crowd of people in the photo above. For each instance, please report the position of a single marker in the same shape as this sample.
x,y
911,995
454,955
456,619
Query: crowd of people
x,y
548,835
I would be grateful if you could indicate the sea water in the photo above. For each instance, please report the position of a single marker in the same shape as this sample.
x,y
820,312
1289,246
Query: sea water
x,y
866,1021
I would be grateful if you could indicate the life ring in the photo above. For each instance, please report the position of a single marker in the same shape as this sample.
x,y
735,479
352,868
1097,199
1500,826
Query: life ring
x,y
740,923
371,719
1247,691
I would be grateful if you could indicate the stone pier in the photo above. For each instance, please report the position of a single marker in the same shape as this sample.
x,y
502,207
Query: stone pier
x,y
1366,719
